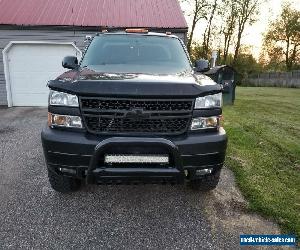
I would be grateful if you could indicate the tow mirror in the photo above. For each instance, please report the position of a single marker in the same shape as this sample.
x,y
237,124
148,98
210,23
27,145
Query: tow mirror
x,y
70,62
202,65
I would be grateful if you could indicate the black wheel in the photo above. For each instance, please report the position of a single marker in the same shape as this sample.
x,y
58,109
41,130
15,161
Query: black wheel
x,y
63,184
206,182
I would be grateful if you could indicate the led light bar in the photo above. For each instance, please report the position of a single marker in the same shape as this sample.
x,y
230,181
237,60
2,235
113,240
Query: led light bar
x,y
159,159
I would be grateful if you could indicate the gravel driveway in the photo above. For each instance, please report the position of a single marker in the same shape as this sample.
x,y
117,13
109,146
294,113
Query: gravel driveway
x,y
34,216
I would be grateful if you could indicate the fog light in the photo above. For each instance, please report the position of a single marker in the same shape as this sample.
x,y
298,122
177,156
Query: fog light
x,y
204,171
68,121
205,123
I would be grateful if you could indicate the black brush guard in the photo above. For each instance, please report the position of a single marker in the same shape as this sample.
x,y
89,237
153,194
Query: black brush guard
x,y
100,172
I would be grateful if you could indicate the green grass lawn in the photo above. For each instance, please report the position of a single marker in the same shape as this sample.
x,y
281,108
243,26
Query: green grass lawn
x,y
264,151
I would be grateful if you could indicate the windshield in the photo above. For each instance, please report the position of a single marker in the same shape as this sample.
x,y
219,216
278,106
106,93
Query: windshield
x,y
136,54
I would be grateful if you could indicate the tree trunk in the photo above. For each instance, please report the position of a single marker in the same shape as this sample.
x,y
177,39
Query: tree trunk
x,y
189,43
238,43
230,26
206,41
203,52
226,47
248,8
287,63
237,48
293,56
224,50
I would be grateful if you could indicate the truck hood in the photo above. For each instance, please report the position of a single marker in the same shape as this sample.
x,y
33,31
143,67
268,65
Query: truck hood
x,y
86,82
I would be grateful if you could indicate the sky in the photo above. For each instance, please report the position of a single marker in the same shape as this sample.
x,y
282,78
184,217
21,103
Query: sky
x,y
253,35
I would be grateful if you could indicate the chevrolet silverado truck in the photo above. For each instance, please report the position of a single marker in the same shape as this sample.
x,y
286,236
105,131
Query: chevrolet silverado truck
x,y
134,111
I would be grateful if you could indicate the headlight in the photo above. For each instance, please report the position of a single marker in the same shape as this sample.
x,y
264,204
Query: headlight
x,y
209,101
62,99
205,123
67,121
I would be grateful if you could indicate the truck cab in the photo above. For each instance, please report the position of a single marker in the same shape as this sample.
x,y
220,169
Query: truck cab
x,y
134,111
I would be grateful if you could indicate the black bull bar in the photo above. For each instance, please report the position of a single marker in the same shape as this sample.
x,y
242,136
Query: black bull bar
x,y
101,173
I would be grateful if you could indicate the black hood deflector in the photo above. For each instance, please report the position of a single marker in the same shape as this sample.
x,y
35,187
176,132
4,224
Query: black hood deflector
x,y
136,89
87,82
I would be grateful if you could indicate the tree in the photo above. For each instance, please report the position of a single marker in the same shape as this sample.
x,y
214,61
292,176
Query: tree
x,y
199,12
207,32
246,63
197,51
247,12
282,40
271,57
230,17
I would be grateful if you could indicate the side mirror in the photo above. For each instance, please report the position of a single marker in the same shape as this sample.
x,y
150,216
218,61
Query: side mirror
x,y
202,65
70,62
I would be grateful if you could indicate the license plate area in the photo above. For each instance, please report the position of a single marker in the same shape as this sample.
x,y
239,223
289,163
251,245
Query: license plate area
x,y
157,159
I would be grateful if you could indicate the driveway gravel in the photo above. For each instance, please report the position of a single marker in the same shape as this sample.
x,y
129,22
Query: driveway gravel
x,y
33,216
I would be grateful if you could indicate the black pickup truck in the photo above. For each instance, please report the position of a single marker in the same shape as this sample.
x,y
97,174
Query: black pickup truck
x,y
134,110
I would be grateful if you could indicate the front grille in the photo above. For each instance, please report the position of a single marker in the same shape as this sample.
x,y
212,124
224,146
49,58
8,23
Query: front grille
x,y
122,115
128,104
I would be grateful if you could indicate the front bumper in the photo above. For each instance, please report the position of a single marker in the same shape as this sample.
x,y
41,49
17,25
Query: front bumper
x,y
84,154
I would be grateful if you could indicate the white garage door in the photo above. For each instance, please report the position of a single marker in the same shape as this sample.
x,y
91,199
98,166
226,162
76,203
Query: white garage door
x,y
30,66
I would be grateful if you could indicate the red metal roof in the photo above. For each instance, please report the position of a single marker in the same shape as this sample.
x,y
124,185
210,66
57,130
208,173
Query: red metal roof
x,y
110,13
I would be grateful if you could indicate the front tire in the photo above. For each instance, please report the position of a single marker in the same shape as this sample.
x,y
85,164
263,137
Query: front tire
x,y
63,184
206,182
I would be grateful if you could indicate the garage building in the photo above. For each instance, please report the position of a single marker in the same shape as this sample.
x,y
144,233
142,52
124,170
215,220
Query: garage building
x,y
35,35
